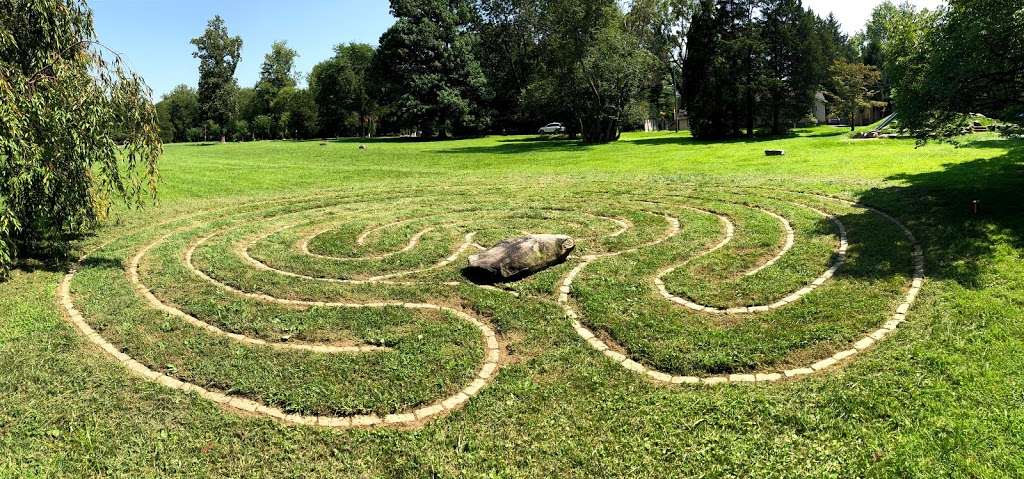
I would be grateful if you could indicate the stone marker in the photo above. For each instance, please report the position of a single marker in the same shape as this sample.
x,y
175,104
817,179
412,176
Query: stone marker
x,y
522,256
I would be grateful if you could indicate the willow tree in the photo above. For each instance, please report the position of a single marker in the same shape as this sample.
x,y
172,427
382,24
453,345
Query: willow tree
x,y
77,132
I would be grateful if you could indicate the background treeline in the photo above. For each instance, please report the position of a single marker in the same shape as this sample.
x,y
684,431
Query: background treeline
x,y
462,67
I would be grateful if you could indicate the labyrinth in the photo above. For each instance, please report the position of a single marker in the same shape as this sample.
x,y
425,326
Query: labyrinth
x,y
351,308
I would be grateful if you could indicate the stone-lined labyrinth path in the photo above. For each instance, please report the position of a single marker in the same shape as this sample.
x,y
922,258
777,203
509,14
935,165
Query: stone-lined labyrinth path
x,y
350,309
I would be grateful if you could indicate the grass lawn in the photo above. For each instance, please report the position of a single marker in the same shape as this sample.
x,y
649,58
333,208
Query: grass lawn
x,y
720,315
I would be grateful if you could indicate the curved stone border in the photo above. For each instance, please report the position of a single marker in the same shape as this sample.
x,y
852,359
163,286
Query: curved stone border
x,y
787,245
483,376
303,246
730,231
864,343
156,303
243,252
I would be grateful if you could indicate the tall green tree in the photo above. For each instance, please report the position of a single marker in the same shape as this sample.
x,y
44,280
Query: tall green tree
x,y
295,110
752,65
893,36
218,54
794,63
77,132
276,73
508,50
428,75
179,111
721,71
593,66
663,27
341,87
970,61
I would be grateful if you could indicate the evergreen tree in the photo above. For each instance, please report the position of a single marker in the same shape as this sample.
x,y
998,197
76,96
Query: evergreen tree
x,y
427,72
793,64
721,70
751,64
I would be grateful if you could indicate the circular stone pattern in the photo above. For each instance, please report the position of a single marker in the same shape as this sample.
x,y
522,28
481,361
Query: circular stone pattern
x,y
351,309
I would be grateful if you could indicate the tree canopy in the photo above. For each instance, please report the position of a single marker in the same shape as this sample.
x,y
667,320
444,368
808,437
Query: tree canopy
x,y
427,68
341,88
77,131
218,54
969,59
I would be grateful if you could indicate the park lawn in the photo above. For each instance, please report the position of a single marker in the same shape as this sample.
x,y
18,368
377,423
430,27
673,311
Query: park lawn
x,y
941,396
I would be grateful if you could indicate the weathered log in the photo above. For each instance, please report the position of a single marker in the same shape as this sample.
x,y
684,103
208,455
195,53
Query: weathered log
x,y
518,257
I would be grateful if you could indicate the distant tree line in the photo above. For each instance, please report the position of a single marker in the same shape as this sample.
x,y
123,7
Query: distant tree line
x,y
736,67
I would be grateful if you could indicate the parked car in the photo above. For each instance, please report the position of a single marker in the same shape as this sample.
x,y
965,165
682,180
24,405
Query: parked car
x,y
551,129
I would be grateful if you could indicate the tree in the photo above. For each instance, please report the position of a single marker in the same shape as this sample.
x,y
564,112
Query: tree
x,y
793,66
276,73
893,34
721,69
342,91
247,105
663,26
508,50
77,132
218,55
593,66
263,127
970,61
429,78
296,113
179,111
750,65
853,86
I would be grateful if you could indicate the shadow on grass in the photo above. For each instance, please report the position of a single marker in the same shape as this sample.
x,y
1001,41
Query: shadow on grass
x,y
939,207
382,139
689,140
514,146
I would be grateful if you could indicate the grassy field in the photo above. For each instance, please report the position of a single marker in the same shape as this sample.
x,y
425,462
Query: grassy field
x,y
322,280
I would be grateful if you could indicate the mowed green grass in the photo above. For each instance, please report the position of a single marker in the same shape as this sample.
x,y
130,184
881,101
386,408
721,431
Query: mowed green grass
x,y
941,397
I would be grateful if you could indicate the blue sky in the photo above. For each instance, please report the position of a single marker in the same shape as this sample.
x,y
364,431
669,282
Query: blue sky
x,y
153,35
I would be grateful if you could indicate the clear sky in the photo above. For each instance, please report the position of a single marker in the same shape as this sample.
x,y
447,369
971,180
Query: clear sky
x,y
153,35
854,14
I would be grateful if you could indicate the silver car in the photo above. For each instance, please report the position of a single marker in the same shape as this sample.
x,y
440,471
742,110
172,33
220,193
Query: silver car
x,y
551,129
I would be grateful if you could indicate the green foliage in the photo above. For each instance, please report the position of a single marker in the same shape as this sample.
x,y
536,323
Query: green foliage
x,y
971,60
218,55
296,110
508,51
263,127
76,131
893,35
593,66
793,68
852,87
752,64
276,73
426,69
341,89
178,111
663,26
